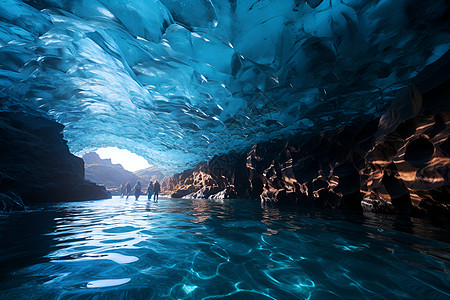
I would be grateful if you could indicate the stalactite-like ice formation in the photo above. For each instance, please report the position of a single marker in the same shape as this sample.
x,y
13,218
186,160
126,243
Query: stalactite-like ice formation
x,y
180,81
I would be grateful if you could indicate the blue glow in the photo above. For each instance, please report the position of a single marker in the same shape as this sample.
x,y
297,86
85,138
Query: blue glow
x,y
180,249
180,81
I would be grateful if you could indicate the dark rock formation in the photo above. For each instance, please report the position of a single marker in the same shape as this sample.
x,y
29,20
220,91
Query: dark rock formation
x,y
223,174
104,172
36,165
398,163
10,201
352,168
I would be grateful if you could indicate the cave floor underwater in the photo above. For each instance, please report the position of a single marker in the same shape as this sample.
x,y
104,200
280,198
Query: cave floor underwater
x,y
227,249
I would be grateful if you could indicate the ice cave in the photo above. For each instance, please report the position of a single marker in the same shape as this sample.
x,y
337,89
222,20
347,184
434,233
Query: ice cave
x,y
315,104
181,81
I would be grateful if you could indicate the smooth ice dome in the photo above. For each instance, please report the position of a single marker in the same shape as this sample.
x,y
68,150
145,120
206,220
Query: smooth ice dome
x,y
180,81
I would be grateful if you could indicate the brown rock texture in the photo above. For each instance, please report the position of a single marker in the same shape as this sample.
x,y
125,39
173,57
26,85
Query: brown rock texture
x,y
408,168
398,163
400,172
36,165
223,176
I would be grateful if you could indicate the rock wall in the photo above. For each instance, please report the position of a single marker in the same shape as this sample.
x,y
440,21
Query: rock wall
x,y
36,165
398,163
221,177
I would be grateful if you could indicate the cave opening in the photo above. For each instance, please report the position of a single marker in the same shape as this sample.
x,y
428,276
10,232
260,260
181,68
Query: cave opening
x,y
114,168
129,160
305,143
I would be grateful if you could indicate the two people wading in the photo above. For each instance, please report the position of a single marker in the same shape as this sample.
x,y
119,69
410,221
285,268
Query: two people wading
x,y
153,190
125,190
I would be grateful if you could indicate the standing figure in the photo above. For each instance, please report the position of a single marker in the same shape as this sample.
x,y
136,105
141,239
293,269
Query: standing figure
x,y
128,188
156,189
137,189
122,190
150,190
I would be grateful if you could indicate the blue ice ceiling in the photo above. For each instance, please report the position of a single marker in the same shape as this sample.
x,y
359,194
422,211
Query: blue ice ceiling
x,y
179,81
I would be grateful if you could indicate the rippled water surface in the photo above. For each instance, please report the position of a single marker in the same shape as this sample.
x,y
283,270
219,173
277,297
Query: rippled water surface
x,y
235,249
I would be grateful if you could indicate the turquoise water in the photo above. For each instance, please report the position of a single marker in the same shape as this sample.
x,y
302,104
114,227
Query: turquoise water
x,y
202,249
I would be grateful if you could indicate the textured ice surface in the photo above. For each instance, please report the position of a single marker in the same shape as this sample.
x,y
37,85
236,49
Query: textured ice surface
x,y
179,81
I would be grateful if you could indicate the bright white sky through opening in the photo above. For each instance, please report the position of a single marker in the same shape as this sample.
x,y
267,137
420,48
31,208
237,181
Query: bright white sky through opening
x,y
127,159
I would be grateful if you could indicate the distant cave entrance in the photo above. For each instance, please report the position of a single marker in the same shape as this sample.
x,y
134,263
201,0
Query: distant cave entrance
x,y
114,167
129,160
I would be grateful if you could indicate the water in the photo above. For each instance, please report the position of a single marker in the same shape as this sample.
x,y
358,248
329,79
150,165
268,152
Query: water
x,y
235,249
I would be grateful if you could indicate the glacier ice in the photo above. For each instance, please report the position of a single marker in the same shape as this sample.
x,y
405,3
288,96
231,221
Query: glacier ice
x,y
179,81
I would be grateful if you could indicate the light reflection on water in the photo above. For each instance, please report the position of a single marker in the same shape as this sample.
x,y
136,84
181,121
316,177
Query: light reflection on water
x,y
183,249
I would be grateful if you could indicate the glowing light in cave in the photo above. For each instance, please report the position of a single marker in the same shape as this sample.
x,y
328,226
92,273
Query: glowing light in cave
x,y
128,160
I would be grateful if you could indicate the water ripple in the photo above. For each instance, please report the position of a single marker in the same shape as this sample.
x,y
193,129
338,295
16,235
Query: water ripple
x,y
107,282
186,249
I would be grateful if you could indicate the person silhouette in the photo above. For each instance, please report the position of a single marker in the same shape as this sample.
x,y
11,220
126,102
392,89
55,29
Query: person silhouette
x,y
156,189
137,189
128,188
150,190
122,190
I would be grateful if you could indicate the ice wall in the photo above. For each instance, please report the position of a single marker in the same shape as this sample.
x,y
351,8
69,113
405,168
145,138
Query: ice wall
x,y
180,81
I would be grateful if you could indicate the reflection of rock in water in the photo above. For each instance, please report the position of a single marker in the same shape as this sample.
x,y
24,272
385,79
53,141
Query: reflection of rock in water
x,y
25,242
398,163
